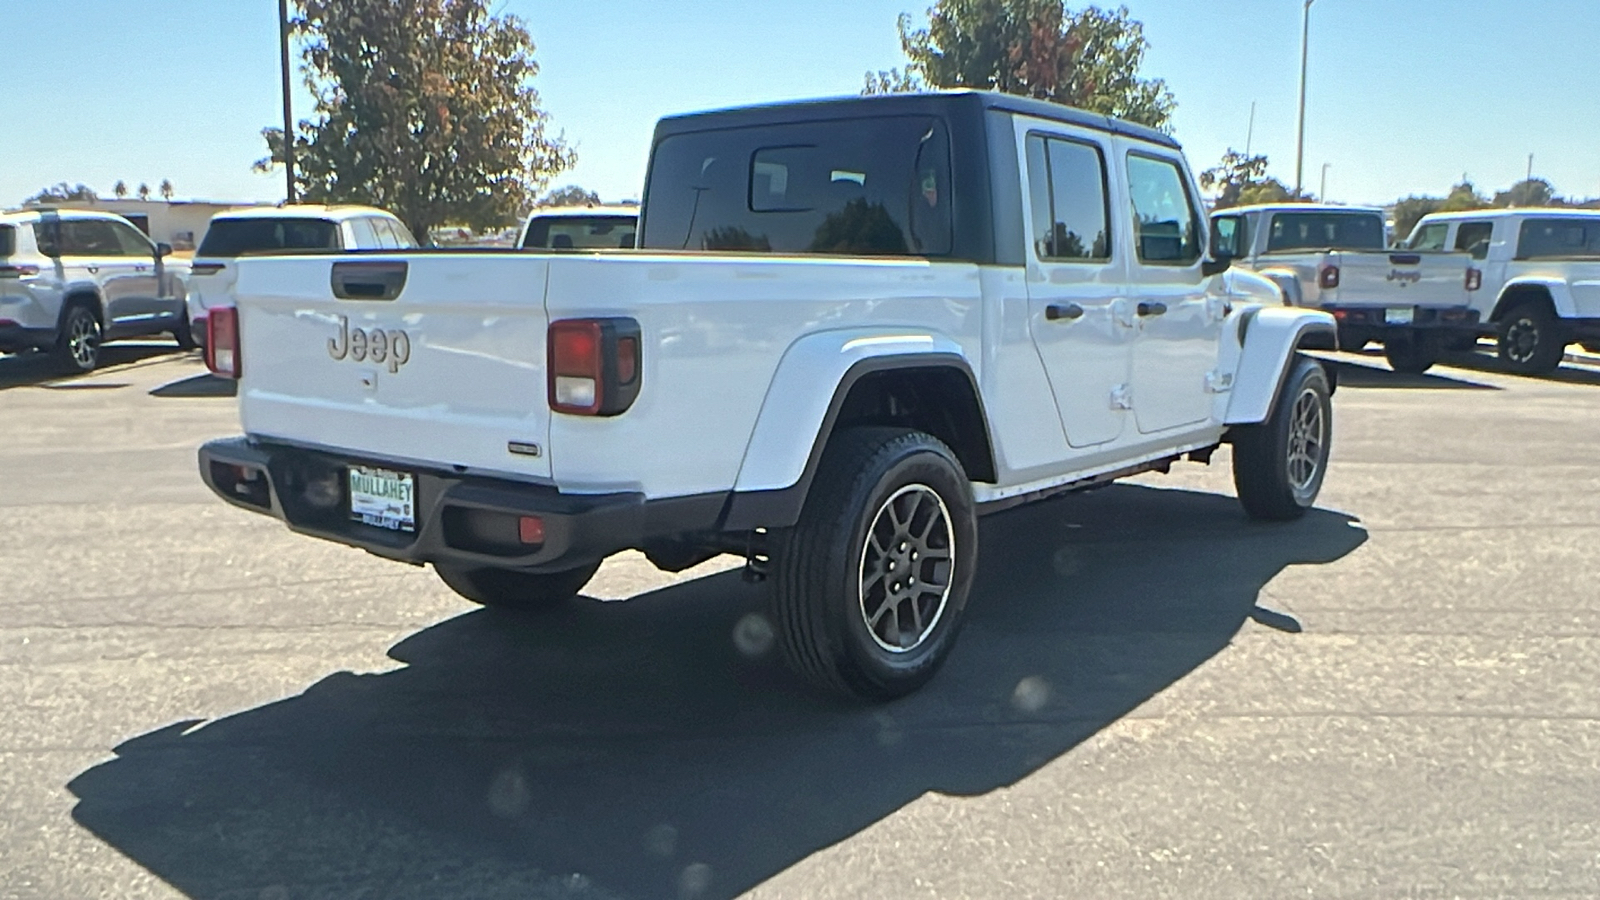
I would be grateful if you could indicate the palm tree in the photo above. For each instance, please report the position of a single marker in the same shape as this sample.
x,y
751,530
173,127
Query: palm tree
x,y
121,190
166,189
144,192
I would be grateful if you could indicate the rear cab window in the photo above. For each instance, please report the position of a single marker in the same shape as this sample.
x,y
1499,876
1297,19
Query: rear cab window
x,y
580,233
1166,221
854,187
1559,238
228,238
1291,231
8,241
1430,237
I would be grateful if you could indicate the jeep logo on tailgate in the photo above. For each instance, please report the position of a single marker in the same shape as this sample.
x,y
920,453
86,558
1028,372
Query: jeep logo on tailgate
x,y
379,346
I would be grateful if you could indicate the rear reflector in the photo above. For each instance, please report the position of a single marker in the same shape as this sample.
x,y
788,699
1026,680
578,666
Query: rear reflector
x,y
222,341
530,530
1328,278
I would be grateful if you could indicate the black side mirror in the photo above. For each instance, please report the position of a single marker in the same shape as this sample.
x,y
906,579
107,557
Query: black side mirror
x,y
163,250
1219,262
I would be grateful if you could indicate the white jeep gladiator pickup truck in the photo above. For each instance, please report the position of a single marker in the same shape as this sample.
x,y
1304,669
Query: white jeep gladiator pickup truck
x,y
1337,258
852,327
1536,277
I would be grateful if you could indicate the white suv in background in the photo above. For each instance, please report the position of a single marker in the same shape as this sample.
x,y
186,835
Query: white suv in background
x,y
72,279
275,228
608,227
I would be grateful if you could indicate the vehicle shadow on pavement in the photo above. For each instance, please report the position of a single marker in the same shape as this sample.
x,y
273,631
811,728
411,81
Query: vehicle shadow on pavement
x,y
657,748
45,370
203,385
1360,375
1569,373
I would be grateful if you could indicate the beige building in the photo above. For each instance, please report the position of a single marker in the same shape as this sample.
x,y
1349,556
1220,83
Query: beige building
x,y
181,223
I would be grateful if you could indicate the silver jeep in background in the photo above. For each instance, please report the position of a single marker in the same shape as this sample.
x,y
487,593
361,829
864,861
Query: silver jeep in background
x,y
70,280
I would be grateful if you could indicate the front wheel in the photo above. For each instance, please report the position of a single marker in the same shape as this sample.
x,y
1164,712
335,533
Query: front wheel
x,y
871,583
1278,465
1530,340
520,591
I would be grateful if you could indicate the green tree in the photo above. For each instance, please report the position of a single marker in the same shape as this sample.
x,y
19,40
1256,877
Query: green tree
x,y
1036,48
1410,210
569,195
424,108
1529,192
61,192
1242,180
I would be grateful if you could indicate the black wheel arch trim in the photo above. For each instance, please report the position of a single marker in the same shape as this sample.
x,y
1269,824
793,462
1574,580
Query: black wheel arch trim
x,y
780,508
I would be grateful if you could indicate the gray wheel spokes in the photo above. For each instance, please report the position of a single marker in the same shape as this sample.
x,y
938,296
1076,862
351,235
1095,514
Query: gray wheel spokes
x,y
906,568
1306,440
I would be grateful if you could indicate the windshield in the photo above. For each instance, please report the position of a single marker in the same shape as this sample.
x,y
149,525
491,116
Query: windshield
x,y
580,233
228,238
1325,231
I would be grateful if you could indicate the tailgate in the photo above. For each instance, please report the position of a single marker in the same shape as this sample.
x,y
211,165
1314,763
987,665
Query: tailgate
x,y
1402,278
437,359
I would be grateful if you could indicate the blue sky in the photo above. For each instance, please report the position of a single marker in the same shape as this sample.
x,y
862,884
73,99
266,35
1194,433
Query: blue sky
x,y
1405,95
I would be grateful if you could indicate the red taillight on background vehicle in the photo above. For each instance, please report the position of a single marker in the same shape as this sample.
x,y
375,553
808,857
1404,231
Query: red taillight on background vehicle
x,y
18,271
222,341
1328,278
594,366
1474,279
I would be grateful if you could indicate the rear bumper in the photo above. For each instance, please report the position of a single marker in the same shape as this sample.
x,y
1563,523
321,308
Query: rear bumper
x,y
460,520
1359,324
15,338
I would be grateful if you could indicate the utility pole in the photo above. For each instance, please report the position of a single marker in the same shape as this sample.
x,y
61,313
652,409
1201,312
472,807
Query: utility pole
x,y
1530,166
1323,194
288,108
1300,146
1250,135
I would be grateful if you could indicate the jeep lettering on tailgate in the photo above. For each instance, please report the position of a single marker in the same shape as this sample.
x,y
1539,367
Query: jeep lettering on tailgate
x,y
377,345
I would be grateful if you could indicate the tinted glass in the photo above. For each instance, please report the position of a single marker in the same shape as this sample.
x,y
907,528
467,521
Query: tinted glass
x,y
1230,235
1166,226
580,233
1430,237
857,187
227,238
89,237
1558,238
8,240
1474,238
1067,191
133,242
1325,231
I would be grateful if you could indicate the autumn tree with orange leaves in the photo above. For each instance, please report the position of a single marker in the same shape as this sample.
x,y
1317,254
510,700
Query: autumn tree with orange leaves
x,y
425,108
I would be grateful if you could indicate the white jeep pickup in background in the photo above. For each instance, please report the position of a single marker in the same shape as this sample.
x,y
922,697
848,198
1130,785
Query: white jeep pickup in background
x,y
1337,259
852,326
1537,277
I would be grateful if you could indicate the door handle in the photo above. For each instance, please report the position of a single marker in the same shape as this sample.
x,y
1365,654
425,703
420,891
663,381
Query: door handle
x,y
1068,311
93,270
1152,309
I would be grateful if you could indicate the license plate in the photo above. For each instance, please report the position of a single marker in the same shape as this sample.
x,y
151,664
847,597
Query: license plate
x,y
1399,316
383,498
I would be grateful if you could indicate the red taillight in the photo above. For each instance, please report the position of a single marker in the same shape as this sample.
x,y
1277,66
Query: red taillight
x,y
1474,279
1328,278
18,271
593,366
222,341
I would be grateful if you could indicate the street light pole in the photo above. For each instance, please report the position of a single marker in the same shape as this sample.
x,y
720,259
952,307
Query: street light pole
x,y
288,109
1323,194
1300,147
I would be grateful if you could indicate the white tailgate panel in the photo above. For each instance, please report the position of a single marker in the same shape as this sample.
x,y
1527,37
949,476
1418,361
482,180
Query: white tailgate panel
x,y
474,381
1374,279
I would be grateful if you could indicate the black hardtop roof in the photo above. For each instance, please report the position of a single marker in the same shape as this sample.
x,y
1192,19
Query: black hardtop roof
x,y
951,104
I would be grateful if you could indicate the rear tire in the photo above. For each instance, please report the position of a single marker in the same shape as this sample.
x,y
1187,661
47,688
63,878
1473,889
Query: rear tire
x,y
520,591
78,346
1531,342
1411,355
870,585
1279,465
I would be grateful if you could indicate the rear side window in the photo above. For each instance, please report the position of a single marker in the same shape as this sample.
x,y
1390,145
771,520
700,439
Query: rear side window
x,y
1067,186
860,187
1165,222
227,238
1325,231
1430,237
1559,239
580,233
8,240
89,237
1474,237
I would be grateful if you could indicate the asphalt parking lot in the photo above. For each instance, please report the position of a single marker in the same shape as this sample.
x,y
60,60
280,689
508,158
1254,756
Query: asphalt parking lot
x,y
1398,696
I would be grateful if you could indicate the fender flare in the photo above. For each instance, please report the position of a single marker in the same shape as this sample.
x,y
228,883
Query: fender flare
x,y
72,294
1559,290
1269,338
779,463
